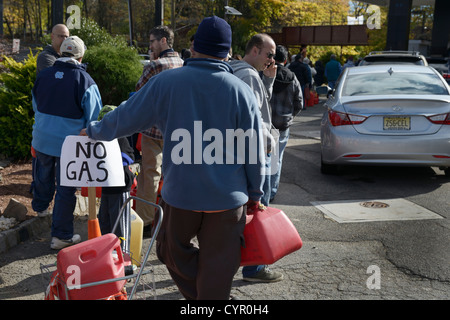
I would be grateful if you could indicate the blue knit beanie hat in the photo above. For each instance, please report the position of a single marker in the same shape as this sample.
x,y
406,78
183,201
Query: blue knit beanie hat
x,y
213,37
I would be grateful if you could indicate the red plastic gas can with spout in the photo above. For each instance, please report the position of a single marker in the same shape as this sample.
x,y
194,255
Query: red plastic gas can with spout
x,y
269,236
94,260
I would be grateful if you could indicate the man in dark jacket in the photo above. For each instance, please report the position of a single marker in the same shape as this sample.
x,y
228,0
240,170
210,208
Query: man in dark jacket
x,y
52,52
303,73
319,77
286,103
46,59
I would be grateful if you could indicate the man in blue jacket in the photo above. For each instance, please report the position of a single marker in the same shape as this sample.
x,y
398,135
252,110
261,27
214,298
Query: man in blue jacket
x,y
212,160
332,71
65,100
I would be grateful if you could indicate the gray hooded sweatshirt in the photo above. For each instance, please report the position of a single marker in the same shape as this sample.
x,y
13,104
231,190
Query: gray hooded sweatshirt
x,y
262,88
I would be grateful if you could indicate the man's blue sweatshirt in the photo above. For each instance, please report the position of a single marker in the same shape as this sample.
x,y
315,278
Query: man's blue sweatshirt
x,y
204,113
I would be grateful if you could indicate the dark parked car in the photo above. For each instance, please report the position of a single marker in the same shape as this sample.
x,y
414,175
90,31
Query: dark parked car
x,y
441,65
394,57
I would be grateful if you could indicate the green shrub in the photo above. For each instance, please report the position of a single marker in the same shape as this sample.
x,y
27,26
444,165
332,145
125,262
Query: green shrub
x,y
113,65
93,35
115,70
16,111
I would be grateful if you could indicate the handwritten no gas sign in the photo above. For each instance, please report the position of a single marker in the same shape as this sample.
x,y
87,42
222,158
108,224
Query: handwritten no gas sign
x,y
91,163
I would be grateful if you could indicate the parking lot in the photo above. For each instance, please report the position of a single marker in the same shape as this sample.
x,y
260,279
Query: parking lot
x,y
399,259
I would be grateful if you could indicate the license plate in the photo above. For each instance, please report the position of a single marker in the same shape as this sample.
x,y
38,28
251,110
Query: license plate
x,y
396,123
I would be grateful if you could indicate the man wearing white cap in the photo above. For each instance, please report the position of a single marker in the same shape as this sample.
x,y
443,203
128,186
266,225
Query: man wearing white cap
x,y
65,100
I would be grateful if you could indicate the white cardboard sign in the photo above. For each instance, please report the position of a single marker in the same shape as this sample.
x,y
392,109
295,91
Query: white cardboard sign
x,y
91,163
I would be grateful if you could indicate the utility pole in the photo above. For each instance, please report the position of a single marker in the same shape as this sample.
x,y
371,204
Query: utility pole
x,y
1,19
57,12
173,15
399,18
159,12
130,22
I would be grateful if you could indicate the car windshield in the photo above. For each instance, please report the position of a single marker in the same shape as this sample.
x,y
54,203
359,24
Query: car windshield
x,y
395,83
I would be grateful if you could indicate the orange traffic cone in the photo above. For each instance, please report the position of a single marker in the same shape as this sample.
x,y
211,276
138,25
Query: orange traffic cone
x,y
94,229
93,224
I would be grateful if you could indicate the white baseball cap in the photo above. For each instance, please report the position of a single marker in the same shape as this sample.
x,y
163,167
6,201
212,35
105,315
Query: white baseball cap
x,y
74,46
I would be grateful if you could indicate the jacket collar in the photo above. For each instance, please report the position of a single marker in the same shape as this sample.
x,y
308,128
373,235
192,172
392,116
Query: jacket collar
x,y
209,63
69,62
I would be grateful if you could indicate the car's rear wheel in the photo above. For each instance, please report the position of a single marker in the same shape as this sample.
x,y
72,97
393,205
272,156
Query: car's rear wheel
x,y
447,172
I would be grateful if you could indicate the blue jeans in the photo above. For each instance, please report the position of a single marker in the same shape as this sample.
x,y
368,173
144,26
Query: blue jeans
x,y
248,271
46,181
266,187
108,213
275,178
331,83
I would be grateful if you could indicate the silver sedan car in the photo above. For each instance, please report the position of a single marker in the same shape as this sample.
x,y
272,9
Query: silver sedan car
x,y
393,115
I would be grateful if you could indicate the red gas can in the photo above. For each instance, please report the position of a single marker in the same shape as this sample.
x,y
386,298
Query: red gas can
x,y
269,236
94,260
316,98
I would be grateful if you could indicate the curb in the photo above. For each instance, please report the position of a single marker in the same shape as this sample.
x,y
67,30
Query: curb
x,y
35,226
23,232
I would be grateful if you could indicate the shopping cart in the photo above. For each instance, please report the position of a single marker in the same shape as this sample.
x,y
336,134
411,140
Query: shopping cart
x,y
59,288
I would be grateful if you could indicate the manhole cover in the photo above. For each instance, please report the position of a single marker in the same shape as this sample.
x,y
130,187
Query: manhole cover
x,y
365,210
374,204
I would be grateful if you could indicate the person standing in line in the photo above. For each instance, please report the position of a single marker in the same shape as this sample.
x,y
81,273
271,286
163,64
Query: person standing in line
x,y
259,53
303,74
191,48
349,63
286,103
52,51
65,99
164,58
44,60
207,184
113,198
332,71
312,70
319,77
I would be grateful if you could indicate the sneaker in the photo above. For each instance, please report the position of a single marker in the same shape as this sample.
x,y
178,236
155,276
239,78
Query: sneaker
x,y
265,275
57,243
44,213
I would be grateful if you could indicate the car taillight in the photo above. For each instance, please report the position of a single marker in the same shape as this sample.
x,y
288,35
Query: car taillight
x,y
342,119
440,118
446,75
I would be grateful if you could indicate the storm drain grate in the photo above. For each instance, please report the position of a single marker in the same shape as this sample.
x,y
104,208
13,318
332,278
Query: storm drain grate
x,y
374,204
374,210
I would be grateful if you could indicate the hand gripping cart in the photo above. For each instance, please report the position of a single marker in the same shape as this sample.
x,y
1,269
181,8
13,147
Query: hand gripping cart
x,y
97,269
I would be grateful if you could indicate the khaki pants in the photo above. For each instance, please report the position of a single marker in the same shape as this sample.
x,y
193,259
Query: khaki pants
x,y
206,271
148,178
